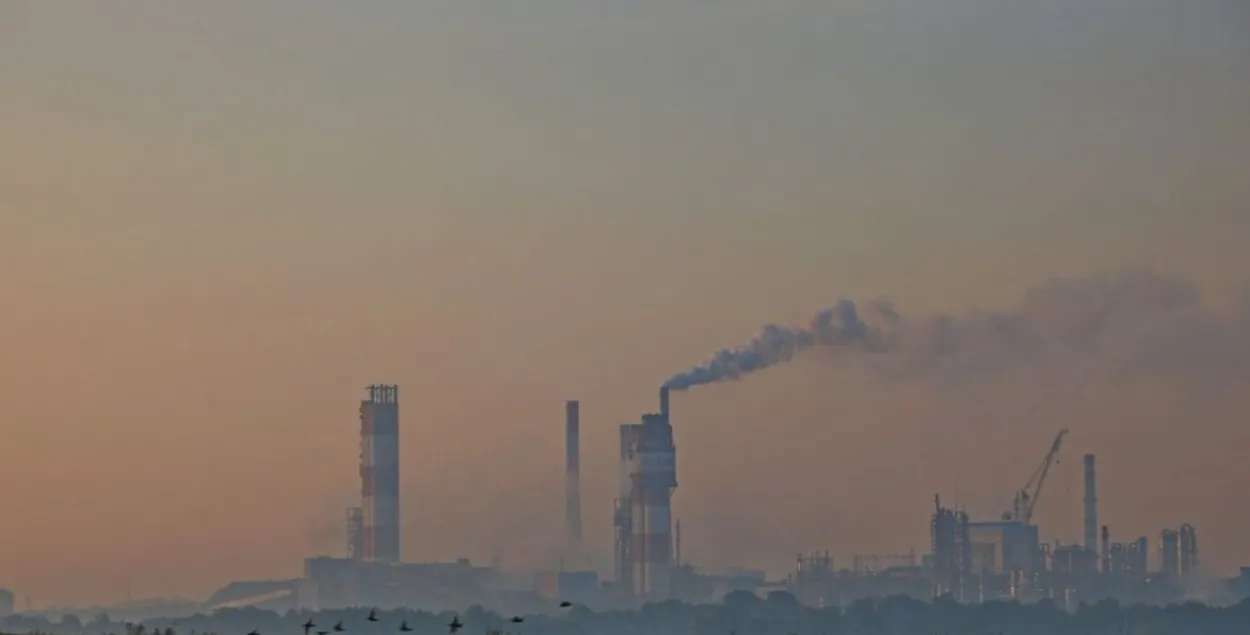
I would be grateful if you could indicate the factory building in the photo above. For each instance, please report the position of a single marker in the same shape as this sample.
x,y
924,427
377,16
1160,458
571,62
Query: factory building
x,y
1178,551
581,587
337,583
1169,553
1074,560
1188,549
1004,546
1139,557
331,583
643,514
1118,557
1128,560
379,473
951,549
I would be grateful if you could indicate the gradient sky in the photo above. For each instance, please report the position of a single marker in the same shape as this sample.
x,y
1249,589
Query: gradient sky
x,y
219,220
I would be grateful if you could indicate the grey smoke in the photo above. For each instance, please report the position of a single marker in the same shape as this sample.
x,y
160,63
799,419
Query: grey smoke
x,y
1123,324
840,325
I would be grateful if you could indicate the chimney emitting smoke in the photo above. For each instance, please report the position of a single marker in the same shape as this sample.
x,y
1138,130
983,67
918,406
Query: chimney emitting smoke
x,y
1114,321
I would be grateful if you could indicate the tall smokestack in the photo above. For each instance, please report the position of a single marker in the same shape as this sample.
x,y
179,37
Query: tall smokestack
x,y
379,473
1106,549
664,401
572,475
1091,505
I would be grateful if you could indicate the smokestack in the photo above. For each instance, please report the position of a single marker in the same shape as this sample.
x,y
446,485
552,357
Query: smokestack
x,y
1106,549
1091,505
379,473
572,473
664,401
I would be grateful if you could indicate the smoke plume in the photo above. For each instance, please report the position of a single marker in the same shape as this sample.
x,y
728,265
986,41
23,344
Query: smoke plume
x,y
1126,324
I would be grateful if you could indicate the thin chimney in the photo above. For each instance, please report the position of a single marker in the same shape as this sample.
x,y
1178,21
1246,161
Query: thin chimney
x,y
1091,505
572,465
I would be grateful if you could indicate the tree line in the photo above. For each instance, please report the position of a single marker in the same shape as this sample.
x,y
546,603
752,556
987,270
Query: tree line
x,y
740,613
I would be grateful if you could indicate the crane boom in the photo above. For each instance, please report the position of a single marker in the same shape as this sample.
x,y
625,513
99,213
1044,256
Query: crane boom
x,y
1026,500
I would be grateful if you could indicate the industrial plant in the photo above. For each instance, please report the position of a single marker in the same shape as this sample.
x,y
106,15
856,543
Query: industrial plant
x,y
976,561
373,573
969,559
643,513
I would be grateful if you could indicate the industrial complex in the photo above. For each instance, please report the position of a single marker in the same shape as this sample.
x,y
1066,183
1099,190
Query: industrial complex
x,y
969,559
372,571
975,561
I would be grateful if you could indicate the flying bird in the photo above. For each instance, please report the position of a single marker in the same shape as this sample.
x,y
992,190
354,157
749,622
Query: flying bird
x,y
455,624
308,626
565,604
338,628
518,619
373,615
403,627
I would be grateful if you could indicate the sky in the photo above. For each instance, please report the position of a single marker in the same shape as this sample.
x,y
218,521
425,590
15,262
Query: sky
x,y
219,221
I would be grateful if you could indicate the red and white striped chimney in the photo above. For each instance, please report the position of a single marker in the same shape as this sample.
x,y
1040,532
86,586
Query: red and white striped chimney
x,y
654,479
379,473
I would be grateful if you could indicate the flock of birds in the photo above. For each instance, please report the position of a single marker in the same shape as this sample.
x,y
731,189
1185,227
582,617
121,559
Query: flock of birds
x,y
452,627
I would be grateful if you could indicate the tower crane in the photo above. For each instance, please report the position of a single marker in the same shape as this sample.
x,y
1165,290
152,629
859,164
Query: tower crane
x,y
1026,498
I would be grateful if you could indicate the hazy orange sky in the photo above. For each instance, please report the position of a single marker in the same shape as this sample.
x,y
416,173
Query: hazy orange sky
x,y
219,221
